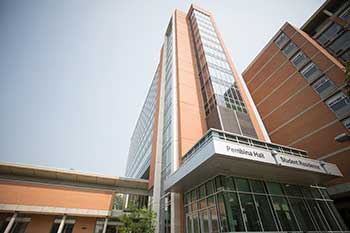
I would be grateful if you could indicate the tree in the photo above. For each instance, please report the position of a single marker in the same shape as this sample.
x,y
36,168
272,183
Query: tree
x,y
138,221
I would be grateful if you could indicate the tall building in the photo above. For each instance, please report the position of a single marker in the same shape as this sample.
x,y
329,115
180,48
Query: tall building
x,y
205,150
297,83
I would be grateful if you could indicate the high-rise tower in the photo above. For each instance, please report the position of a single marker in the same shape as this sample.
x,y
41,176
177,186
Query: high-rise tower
x,y
210,163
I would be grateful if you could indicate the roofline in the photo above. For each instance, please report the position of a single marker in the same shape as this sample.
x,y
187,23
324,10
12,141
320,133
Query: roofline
x,y
15,167
312,17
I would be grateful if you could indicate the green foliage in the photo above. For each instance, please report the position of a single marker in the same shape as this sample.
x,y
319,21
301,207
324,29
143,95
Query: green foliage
x,y
138,221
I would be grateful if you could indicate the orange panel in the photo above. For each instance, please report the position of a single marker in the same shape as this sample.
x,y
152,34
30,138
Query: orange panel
x,y
308,122
343,162
267,70
40,223
270,50
322,142
294,106
191,123
291,86
53,196
273,82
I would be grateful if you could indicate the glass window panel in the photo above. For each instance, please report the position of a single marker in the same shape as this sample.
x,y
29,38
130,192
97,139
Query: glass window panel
x,y
341,44
292,190
301,214
274,188
195,223
337,215
323,84
289,48
229,184
222,213
219,183
211,201
328,215
264,207
284,214
250,215
329,34
209,187
310,70
201,191
214,220
20,227
204,221
298,58
281,39
257,186
233,212
306,191
318,217
242,184
315,193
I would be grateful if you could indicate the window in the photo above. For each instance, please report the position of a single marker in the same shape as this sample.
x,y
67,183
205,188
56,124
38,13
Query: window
x,y
68,225
281,40
310,71
19,226
341,44
289,48
233,211
329,34
298,59
242,184
257,186
346,122
274,188
323,84
284,214
264,207
337,102
301,214
249,212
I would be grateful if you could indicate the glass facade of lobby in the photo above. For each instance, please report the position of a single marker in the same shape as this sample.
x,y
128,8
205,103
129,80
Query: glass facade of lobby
x,y
233,204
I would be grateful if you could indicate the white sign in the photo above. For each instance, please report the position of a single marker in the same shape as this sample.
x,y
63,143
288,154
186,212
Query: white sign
x,y
299,162
244,152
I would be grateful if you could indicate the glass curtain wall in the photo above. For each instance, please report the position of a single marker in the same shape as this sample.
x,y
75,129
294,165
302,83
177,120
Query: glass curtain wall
x,y
139,158
217,81
231,204
168,129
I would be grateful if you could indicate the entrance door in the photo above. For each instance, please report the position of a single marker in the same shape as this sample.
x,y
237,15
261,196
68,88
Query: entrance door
x,y
204,221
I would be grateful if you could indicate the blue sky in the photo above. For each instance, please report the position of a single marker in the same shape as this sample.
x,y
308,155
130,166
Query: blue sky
x,y
74,74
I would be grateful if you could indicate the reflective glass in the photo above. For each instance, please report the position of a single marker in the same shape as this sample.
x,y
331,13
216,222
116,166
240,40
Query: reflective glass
x,y
242,184
284,214
264,207
274,188
257,186
301,214
233,212
249,212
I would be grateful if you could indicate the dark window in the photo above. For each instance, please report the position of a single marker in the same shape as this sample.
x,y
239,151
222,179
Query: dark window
x,y
298,58
274,188
233,212
341,44
284,214
257,186
281,40
329,34
292,190
337,102
249,212
310,70
323,84
264,207
289,48
301,214
242,184
346,122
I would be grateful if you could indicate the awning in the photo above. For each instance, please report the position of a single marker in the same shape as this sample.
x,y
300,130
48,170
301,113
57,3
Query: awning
x,y
219,156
